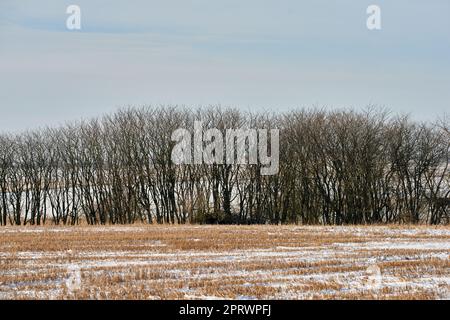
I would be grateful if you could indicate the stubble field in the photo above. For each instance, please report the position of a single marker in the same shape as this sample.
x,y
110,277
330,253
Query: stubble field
x,y
225,262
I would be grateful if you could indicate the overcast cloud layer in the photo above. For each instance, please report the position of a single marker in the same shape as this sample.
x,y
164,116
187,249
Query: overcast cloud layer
x,y
252,54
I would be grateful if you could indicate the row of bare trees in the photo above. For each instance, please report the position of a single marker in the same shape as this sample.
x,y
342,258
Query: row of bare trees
x,y
336,167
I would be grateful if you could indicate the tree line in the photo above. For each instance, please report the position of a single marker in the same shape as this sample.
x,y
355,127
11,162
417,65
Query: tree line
x,y
335,167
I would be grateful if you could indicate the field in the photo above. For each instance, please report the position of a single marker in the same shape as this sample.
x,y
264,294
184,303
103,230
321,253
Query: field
x,y
226,262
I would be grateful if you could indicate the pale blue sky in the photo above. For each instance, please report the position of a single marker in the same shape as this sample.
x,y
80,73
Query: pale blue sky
x,y
252,54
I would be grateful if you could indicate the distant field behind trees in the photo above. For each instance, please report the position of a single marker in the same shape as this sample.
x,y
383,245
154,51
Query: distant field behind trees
x,y
336,167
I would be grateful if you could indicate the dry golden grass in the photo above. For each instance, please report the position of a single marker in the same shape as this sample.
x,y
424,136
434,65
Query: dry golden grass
x,y
230,262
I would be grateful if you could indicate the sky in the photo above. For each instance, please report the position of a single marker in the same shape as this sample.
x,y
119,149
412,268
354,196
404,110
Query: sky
x,y
250,54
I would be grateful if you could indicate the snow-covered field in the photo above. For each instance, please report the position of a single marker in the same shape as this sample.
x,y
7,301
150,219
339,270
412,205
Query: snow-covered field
x,y
231,262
